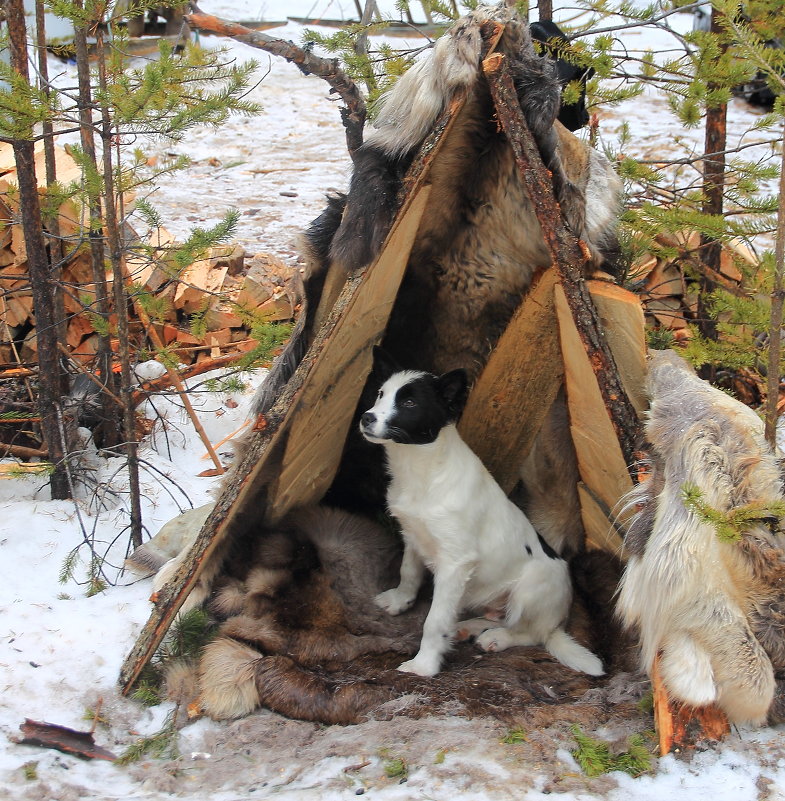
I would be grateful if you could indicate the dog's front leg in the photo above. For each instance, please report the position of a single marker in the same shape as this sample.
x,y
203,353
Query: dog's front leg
x,y
448,587
400,598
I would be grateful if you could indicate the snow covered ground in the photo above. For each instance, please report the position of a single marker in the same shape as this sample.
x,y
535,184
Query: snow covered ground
x,y
60,651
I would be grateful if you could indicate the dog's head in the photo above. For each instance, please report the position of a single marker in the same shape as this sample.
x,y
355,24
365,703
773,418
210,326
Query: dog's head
x,y
412,407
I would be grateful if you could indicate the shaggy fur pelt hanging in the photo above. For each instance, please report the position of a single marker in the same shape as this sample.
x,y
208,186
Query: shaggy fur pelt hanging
x,y
301,635
714,610
478,246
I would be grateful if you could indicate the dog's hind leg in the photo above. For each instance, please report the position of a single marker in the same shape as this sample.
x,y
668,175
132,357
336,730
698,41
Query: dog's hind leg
x,y
558,644
466,629
501,638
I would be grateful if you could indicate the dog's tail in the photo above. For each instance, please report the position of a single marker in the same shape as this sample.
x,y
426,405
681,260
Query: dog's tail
x,y
573,654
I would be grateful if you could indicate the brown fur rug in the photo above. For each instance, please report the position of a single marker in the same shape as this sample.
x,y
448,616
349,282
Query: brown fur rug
x,y
300,634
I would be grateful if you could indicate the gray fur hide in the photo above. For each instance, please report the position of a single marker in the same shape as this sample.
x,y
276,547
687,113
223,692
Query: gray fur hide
x,y
713,610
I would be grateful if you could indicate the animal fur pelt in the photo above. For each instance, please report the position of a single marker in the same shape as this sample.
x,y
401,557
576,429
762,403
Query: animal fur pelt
x,y
713,610
479,243
301,635
170,548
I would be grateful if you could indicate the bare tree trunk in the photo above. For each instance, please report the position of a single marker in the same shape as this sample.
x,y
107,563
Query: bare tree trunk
x,y
775,327
109,429
713,189
120,304
38,266
545,10
52,221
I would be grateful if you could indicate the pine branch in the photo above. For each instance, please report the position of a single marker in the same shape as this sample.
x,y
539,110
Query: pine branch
x,y
354,112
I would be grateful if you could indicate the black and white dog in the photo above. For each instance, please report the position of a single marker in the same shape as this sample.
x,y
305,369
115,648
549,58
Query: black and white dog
x,y
484,553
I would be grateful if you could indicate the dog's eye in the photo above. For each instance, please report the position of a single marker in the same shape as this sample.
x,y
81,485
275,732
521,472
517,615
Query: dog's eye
x,y
409,403
380,395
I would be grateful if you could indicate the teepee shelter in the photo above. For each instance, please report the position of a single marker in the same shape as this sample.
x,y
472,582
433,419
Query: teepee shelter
x,y
447,198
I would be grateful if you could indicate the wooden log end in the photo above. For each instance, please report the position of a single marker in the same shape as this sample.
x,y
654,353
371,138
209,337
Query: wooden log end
x,y
681,727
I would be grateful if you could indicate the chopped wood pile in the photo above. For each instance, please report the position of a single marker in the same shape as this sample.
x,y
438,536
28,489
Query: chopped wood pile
x,y
663,283
203,311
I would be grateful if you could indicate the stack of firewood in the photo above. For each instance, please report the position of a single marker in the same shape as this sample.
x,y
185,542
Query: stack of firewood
x,y
204,311
669,300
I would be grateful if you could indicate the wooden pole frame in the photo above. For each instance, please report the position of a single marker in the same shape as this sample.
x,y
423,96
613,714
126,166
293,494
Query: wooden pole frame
x,y
285,463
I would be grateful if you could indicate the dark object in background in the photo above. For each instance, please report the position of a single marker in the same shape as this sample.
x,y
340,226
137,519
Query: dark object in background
x,y
757,91
571,115
84,398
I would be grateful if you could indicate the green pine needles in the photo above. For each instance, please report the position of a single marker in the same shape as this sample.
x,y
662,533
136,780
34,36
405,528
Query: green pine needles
x,y
730,525
595,757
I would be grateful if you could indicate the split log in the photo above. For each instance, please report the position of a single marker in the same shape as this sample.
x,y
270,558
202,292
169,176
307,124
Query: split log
x,y
222,316
687,240
197,283
568,255
664,280
510,399
253,293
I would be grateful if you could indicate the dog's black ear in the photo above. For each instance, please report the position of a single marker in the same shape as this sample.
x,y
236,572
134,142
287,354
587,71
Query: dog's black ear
x,y
383,364
453,387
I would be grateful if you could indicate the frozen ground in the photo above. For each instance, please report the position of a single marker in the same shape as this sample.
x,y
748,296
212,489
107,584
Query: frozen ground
x,y
60,651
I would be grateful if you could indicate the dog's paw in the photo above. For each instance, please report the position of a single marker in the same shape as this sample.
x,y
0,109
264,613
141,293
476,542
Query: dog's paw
x,y
494,640
421,666
394,601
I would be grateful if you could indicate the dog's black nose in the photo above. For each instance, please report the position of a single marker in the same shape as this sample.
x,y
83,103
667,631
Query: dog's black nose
x,y
369,418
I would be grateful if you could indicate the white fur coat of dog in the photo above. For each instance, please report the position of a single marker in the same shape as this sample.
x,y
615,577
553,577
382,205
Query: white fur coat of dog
x,y
484,554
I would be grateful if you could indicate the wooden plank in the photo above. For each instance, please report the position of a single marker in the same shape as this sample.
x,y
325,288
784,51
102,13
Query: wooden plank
x,y
624,326
602,466
598,522
314,449
312,390
515,390
568,254
679,726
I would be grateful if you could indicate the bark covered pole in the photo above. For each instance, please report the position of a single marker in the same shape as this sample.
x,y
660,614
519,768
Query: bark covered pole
x,y
775,326
715,144
110,431
568,253
38,265
52,221
114,241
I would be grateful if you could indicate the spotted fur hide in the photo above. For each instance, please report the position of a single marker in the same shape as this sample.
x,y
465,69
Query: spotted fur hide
x,y
300,634
713,610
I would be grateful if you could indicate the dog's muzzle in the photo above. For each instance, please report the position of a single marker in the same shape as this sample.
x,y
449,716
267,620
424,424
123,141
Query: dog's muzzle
x,y
368,424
